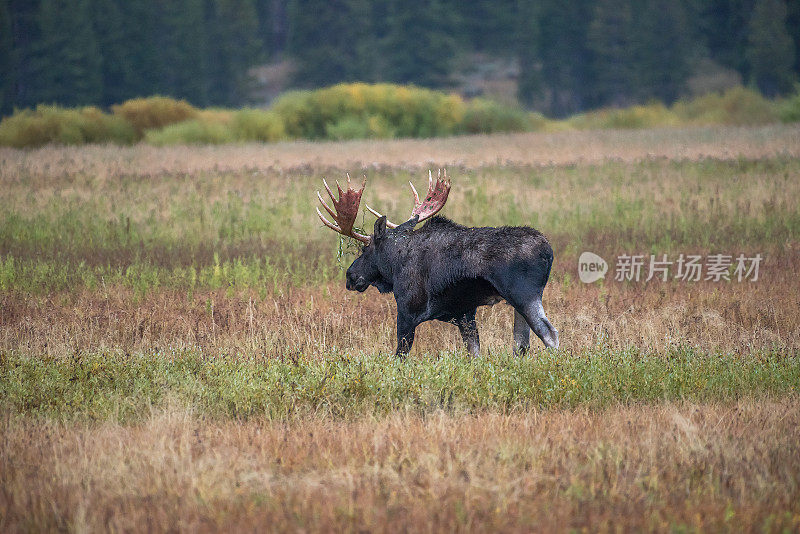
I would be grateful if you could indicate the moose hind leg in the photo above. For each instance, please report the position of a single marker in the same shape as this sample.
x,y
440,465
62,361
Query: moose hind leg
x,y
469,333
534,314
522,334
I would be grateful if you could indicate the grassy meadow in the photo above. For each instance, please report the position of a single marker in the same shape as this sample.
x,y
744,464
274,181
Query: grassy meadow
x,y
178,350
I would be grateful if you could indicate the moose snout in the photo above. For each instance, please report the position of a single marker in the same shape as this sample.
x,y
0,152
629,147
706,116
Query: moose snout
x,y
356,283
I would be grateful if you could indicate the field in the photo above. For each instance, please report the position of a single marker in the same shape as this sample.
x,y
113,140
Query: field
x,y
178,351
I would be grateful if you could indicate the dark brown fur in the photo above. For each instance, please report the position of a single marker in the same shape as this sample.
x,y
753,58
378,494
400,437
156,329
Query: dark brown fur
x,y
445,271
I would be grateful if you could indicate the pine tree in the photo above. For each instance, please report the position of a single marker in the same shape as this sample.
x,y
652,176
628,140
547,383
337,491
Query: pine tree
x,y
793,27
6,60
563,56
233,48
272,25
611,46
184,50
770,52
723,30
67,62
531,85
487,25
24,38
332,41
366,60
109,27
661,51
144,59
419,46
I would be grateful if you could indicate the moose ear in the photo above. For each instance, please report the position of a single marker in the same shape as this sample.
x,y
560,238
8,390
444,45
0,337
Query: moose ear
x,y
380,227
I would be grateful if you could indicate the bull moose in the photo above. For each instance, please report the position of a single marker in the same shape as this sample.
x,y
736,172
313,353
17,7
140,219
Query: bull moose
x,y
444,270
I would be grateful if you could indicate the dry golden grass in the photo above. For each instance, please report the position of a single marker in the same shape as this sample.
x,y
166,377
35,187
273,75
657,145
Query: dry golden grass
x,y
100,210
743,318
673,467
473,151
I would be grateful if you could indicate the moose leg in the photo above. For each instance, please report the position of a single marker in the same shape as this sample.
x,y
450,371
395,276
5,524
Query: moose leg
x,y
534,314
405,335
522,334
469,333
527,302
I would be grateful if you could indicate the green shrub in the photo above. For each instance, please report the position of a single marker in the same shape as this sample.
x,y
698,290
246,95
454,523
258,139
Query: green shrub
x,y
646,116
300,120
358,110
257,125
54,124
349,127
116,384
789,108
154,112
485,116
193,132
362,111
219,115
360,127
99,127
737,106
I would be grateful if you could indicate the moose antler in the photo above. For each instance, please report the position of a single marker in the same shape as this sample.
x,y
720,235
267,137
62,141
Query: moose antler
x,y
433,202
346,210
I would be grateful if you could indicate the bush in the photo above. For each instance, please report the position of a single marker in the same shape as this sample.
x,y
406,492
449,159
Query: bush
x,y
789,108
737,106
154,112
257,125
360,127
648,116
358,110
193,132
485,116
218,115
362,111
295,110
100,127
350,127
54,124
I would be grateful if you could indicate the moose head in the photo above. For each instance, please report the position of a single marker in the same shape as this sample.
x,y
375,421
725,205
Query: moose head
x,y
371,268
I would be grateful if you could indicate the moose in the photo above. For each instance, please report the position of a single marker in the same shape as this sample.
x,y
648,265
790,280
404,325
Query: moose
x,y
444,271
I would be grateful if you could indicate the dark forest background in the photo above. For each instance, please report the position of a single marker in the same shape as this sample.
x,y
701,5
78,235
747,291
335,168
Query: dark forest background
x,y
563,57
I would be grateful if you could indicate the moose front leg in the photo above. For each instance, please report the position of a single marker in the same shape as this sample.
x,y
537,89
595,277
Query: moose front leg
x,y
405,334
469,333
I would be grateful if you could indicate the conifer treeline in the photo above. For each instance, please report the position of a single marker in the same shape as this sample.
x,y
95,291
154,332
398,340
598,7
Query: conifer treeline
x,y
573,55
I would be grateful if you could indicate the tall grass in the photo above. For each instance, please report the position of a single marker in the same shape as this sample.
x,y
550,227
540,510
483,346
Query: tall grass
x,y
246,227
671,467
102,257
